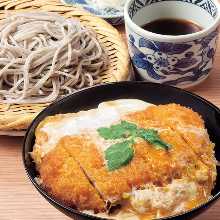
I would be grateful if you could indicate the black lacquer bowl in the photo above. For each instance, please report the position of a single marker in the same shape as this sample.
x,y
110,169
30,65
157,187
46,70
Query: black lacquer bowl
x,y
150,92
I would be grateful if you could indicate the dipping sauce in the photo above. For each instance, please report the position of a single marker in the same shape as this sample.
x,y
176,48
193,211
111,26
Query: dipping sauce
x,y
171,26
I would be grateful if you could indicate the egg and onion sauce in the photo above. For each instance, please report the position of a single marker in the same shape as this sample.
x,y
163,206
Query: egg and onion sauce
x,y
126,159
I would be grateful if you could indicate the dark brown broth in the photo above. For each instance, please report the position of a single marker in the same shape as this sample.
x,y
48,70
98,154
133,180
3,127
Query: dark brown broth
x,y
170,26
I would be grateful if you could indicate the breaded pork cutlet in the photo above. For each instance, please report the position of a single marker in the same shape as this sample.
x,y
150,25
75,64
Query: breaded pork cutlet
x,y
63,178
149,165
157,181
190,127
187,122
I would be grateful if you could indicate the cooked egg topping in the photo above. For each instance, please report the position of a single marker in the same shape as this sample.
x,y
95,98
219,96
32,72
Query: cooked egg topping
x,y
154,161
89,121
171,197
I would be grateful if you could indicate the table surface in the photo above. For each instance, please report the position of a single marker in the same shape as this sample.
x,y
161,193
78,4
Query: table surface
x,y
20,201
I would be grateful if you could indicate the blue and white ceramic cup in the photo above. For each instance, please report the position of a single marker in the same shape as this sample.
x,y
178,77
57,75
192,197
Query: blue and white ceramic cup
x,y
183,60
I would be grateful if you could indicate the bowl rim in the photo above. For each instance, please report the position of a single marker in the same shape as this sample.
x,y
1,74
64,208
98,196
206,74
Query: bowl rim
x,y
119,14
130,24
66,98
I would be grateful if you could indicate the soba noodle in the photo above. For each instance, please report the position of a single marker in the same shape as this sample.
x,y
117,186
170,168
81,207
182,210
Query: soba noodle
x,y
43,56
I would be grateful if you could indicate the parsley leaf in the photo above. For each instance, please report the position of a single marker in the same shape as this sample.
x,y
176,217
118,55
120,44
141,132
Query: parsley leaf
x,y
152,137
128,125
119,154
122,130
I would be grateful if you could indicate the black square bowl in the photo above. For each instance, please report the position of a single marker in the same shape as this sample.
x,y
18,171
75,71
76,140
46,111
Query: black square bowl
x,y
149,92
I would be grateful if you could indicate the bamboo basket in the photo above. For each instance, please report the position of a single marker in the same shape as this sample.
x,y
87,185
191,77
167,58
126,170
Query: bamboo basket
x,y
14,119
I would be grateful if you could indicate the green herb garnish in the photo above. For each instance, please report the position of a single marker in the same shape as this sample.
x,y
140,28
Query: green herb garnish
x,y
151,136
121,153
122,130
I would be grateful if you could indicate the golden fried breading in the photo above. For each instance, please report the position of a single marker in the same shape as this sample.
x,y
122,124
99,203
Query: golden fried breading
x,y
63,178
149,164
190,127
183,120
172,114
75,170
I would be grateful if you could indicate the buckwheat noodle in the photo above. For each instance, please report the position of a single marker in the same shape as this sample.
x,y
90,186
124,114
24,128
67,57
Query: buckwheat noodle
x,y
44,56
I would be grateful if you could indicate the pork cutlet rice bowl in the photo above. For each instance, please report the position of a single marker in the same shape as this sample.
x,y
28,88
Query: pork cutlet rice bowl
x,y
130,150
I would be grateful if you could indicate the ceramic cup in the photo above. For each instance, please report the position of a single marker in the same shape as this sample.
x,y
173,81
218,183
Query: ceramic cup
x,y
183,60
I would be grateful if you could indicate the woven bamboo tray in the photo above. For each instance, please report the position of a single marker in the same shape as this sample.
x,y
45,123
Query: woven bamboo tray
x,y
16,118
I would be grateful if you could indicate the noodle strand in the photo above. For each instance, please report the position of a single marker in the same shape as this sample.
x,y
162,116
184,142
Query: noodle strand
x,y
44,56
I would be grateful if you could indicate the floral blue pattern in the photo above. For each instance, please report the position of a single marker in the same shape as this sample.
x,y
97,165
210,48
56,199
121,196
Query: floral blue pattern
x,y
188,61
207,5
112,15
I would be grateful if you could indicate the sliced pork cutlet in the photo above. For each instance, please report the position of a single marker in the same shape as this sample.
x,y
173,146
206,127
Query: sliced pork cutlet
x,y
191,128
184,159
150,164
113,184
63,179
